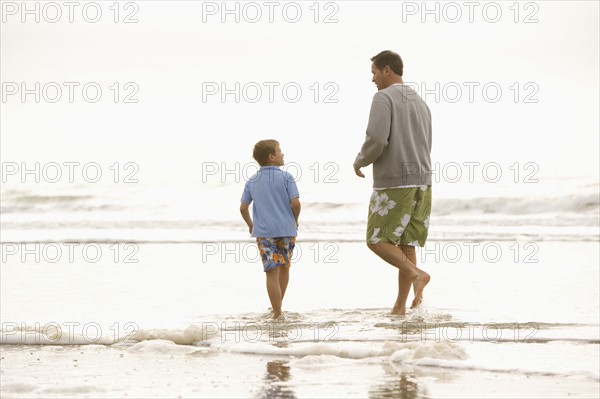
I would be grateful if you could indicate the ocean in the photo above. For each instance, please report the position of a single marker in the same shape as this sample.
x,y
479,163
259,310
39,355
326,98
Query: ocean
x,y
126,138
158,291
561,209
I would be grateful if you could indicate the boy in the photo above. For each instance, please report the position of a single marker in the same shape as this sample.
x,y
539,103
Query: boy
x,y
275,212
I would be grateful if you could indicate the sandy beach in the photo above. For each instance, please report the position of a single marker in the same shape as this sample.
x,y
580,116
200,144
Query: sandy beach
x,y
201,329
166,371
127,134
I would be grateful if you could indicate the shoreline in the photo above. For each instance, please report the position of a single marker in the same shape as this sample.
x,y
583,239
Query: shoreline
x,y
100,372
491,336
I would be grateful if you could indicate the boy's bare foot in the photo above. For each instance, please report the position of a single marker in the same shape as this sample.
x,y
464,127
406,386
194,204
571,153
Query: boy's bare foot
x,y
276,315
418,286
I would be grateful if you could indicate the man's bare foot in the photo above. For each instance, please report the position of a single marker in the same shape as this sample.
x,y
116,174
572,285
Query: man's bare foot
x,y
398,311
418,286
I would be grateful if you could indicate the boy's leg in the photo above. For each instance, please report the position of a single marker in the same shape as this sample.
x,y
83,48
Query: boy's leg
x,y
285,247
284,277
274,291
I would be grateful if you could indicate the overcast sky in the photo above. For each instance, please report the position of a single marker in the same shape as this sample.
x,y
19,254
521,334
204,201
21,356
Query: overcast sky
x,y
179,55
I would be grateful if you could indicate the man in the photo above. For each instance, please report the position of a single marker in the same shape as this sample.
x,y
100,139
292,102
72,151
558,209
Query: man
x,y
398,144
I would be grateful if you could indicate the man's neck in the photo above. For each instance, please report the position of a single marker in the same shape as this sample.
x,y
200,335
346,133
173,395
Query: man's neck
x,y
395,81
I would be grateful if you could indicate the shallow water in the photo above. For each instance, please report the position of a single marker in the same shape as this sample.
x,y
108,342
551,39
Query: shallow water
x,y
182,305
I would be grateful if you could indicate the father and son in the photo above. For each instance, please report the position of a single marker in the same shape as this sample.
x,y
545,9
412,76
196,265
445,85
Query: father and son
x,y
398,134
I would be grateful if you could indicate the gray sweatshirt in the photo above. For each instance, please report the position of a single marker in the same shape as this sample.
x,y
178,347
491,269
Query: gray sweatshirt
x,y
398,141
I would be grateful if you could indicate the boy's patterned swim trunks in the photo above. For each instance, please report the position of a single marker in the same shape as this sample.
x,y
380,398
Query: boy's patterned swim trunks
x,y
276,251
399,216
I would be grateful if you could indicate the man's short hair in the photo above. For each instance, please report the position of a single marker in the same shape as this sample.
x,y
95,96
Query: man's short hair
x,y
262,149
390,58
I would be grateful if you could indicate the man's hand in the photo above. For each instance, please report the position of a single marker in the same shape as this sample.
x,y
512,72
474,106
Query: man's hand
x,y
358,172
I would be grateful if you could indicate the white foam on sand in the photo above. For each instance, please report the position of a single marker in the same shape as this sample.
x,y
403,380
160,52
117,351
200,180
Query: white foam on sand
x,y
49,335
312,362
162,346
18,387
416,352
407,353
354,350
346,350
73,389
554,358
191,335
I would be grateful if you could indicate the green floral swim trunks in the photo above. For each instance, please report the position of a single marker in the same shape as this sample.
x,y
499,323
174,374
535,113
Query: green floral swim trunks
x,y
399,216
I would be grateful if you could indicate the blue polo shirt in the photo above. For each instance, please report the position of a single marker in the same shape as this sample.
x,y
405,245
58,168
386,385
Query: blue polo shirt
x,y
271,189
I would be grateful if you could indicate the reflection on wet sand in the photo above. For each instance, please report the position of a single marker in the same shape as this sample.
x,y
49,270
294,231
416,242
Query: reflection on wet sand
x,y
398,385
275,381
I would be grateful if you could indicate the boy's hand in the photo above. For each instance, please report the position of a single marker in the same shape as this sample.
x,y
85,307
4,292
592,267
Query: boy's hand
x,y
244,210
358,172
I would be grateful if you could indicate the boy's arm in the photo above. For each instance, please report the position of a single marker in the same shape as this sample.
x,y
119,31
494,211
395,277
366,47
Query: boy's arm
x,y
295,202
246,215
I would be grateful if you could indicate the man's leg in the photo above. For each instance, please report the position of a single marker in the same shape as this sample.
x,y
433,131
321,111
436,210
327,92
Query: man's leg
x,y
404,283
410,252
410,273
274,291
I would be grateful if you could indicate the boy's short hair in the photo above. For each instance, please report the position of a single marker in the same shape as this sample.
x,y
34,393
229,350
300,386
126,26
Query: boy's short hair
x,y
262,149
390,58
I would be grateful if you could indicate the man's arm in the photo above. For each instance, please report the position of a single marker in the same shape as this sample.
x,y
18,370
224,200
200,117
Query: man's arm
x,y
358,172
378,131
295,202
246,215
